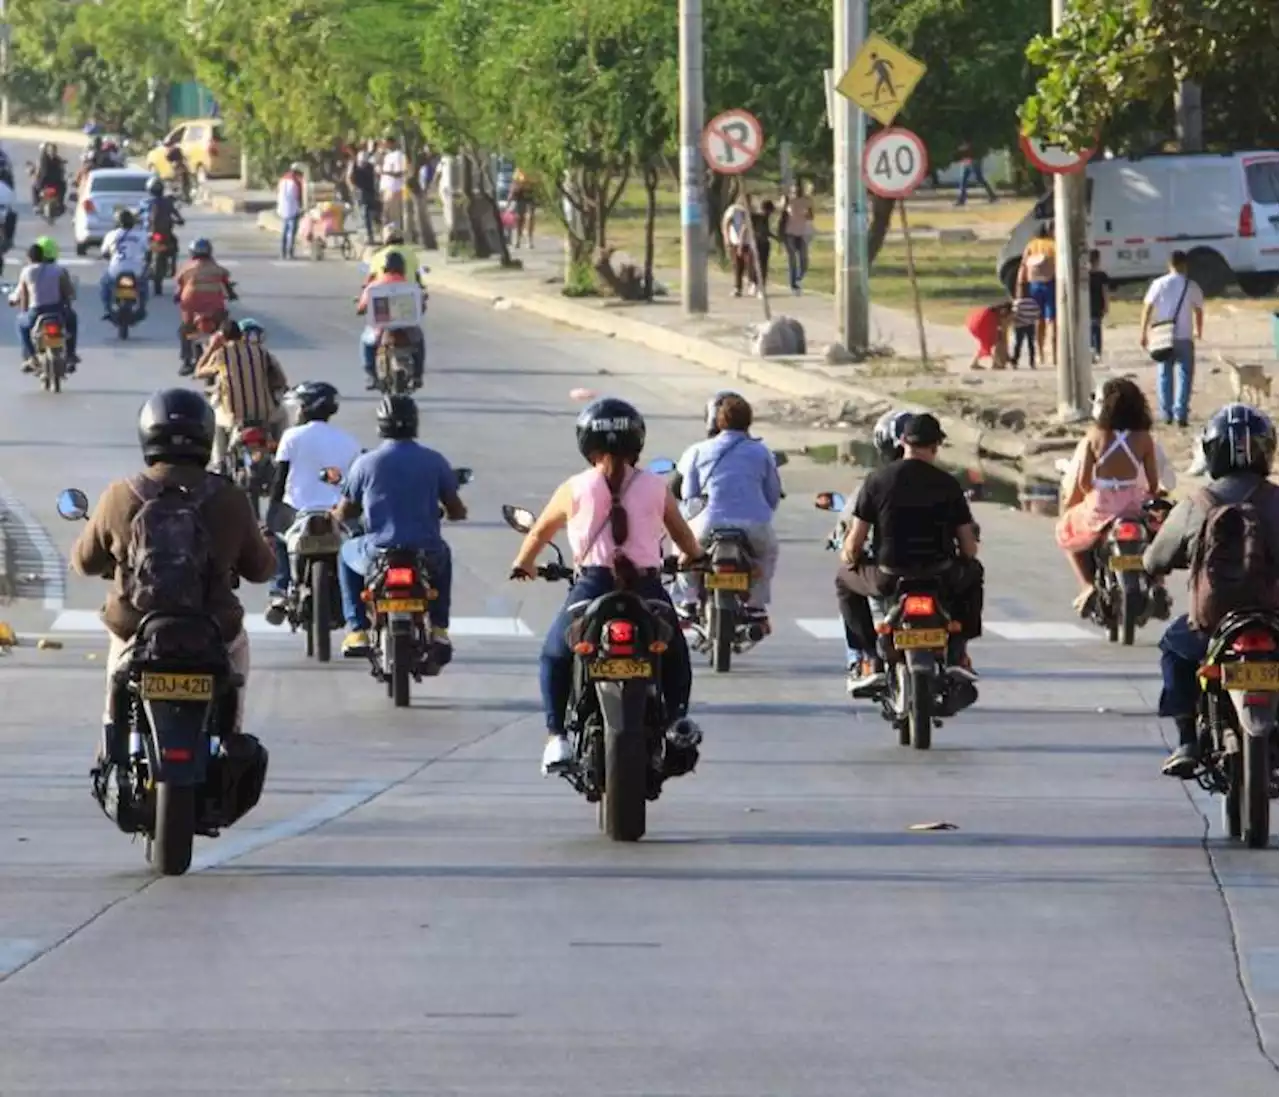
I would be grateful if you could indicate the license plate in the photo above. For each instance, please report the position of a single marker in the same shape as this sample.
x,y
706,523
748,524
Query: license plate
x,y
402,605
126,293
1125,563
53,342
621,670
914,639
1250,676
177,687
318,545
159,247
730,580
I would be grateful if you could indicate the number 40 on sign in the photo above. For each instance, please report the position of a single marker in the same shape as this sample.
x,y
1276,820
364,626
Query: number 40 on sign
x,y
894,163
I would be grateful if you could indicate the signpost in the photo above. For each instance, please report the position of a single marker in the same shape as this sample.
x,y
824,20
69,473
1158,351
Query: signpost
x,y
1054,159
881,79
732,142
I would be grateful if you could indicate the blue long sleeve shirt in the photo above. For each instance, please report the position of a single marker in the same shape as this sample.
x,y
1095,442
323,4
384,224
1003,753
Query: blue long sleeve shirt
x,y
737,474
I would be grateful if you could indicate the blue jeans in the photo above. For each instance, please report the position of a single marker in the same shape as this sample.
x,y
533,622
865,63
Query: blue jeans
x,y
973,171
280,583
27,320
358,554
369,352
107,285
797,258
1182,650
1175,400
288,236
1095,335
555,666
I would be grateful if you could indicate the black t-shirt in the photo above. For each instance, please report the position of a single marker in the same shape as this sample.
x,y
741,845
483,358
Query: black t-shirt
x,y
1098,281
914,509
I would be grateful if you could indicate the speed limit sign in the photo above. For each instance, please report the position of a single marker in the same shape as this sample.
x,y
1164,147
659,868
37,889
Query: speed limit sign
x,y
894,163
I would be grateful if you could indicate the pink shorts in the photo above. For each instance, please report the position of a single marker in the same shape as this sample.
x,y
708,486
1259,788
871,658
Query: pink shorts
x,y
1078,527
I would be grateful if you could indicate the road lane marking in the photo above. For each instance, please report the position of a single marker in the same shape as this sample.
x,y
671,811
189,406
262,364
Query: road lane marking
x,y
22,526
86,621
832,628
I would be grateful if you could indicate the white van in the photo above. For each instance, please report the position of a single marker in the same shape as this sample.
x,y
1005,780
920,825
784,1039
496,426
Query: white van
x,y
1221,209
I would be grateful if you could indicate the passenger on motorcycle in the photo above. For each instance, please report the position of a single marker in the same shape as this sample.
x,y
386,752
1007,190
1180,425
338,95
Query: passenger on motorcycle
x,y
1239,444
1119,471
676,479
248,384
399,488
393,273
615,516
44,289
9,216
919,519
306,449
736,477
202,288
175,430
393,244
125,250
159,213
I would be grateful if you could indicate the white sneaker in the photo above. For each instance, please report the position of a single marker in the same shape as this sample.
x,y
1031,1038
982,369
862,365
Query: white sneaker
x,y
556,754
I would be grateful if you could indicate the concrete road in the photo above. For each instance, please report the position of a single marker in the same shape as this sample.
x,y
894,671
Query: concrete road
x,y
413,910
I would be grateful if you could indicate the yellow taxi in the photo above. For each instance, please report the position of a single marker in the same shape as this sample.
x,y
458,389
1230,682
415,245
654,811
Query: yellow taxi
x,y
209,152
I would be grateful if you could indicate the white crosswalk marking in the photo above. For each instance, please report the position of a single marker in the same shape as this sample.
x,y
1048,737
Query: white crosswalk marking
x,y
86,621
832,628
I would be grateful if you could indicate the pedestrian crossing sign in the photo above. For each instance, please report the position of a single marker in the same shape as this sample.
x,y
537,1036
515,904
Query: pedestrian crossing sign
x,y
881,79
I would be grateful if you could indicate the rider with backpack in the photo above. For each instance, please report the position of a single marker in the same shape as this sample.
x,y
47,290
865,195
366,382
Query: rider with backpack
x,y
1225,535
172,539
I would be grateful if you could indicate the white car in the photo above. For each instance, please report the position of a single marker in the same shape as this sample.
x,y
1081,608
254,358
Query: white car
x,y
105,191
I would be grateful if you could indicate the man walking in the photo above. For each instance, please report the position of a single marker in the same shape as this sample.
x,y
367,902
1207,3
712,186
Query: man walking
x,y
289,209
1172,320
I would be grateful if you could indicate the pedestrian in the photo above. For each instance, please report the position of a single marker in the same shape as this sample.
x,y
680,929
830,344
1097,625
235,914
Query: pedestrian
x,y
1026,315
391,181
1099,301
1172,320
990,327
522,196
797,231
734,226
762,230
1036,279
363,180
289,196
972,173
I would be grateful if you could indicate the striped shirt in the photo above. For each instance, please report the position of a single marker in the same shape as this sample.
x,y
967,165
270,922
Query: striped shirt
x,y
248,378
1026,311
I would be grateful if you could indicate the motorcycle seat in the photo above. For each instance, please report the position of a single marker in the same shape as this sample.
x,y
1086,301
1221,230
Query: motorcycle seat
x,y
1240,619
189,640
728,533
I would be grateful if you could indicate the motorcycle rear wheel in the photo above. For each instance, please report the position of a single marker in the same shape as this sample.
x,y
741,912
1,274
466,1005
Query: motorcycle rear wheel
x,y
320,582
623,806
1257,791
169,849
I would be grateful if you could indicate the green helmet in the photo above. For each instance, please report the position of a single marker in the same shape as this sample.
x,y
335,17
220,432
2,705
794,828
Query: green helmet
x,y
49,246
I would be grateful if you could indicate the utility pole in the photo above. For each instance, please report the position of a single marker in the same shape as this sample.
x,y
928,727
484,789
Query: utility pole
x,y
693,229
1071,243
4,62
850,127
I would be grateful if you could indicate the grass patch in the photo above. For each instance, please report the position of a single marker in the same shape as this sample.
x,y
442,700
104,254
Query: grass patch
x,y
823,455
938,399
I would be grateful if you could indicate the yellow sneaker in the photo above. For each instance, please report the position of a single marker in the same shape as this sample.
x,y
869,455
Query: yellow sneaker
x,y
356,642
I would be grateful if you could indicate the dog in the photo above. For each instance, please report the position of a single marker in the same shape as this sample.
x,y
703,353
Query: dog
x,y
1249,383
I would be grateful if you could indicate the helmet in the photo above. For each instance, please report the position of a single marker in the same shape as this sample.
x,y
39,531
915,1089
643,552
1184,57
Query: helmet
x,y
298,166
155,186
888,433
397,417
1238,438
610,425
176,425
394,264
201,249
319,400
391,234
252,330
49,246
125,219
713,406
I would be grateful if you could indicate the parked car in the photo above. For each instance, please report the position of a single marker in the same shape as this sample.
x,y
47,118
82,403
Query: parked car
x,y
209,152
1220,208
105,191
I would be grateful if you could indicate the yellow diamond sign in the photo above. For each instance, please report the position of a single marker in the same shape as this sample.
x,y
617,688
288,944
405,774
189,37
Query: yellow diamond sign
x,y
881,79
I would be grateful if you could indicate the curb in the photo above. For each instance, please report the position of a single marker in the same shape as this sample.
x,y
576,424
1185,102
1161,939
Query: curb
x,y
227,203
44,133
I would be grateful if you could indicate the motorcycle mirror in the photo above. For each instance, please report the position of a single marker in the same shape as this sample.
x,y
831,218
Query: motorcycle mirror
x,y
694,507
780,458
518,518
463,476
331,475
73,504
829,500
660,466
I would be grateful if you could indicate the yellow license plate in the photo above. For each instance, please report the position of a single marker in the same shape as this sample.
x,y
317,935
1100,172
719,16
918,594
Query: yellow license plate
x,y
621,670
318,544
915,639
729,580
177,687
158,246
402,605
1261,677
1125,563
126,293
53,342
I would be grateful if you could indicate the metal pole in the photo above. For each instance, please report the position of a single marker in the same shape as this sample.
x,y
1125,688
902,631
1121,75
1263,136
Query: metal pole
x,y
4,62
693,230
852,307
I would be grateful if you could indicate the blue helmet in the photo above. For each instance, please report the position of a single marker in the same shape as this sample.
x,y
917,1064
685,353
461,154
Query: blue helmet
x,y
252,330
202,248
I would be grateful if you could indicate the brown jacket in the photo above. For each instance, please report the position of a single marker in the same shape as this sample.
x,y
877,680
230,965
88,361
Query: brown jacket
x,y
238,547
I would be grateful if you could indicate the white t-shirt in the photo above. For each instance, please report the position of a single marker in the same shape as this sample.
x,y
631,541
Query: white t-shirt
x,y
392,160
1162,296
309,448
288,197
127,251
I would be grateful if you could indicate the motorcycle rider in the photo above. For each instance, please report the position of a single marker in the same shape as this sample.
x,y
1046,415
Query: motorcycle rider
x,y
614,515
399,488
9,224
175,431
159,214
125,250
1239,444
393,271
393,244
736,476
6,169
306,449
45,288
247,386
202,288
51,171
920,519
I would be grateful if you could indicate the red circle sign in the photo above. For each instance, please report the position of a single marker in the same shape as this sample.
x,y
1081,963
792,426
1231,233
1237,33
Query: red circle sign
x,y
1054,159
894,163
732,142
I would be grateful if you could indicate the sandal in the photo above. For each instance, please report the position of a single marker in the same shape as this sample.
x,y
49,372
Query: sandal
x,y
1084,603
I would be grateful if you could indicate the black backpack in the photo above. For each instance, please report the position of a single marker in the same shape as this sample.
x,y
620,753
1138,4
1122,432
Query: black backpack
x,y
1231,566
169,562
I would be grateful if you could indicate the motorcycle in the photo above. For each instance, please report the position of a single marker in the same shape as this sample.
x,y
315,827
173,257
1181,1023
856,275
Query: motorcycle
x,y
394,362
313,601
175,767
1125,598
49,337
126,305
161,260
195,341
1237,720
913,641
250,462
50,207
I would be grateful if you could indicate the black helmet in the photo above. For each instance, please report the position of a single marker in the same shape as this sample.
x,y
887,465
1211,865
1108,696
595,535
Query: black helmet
x,y
394,264
713,407
125,219
1238,439
888,433
398,417
155,187
176,425
315,400
610,425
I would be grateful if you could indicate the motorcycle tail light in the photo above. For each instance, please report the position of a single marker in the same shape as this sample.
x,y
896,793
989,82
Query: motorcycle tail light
x,y
400,577
50,192
729,566
919,605
53,328
1250,642
620,637
206,324
253,436
158,237
1127,531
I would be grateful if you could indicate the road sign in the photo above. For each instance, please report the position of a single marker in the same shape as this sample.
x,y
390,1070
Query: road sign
x,y
1055,159
894,163
881,79
732,142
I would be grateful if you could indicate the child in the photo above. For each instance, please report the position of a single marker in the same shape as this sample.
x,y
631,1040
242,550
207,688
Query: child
x,y
990,327
1026,315
1099,284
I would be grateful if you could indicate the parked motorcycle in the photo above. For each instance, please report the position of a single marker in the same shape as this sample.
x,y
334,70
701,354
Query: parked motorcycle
x,y
175,766
126,304
1125,597
313,601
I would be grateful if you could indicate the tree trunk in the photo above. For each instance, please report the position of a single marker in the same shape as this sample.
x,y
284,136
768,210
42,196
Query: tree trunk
x,y
480,248
1186,103
881,213
650,216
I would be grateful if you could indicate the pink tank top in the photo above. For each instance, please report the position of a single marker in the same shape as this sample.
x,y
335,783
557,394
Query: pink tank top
x,y
644,498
